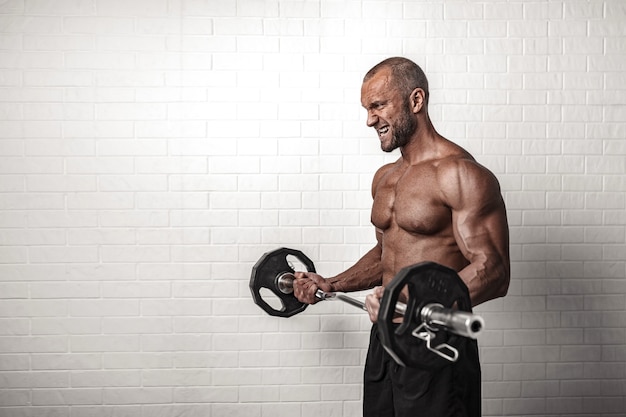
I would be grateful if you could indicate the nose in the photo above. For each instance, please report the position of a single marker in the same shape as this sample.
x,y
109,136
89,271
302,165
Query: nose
x,y
372,118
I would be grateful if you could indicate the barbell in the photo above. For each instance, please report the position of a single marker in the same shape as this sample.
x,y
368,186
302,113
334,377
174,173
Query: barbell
x,y
437,315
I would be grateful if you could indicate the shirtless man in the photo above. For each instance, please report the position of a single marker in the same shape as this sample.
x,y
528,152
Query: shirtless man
x,y
435,203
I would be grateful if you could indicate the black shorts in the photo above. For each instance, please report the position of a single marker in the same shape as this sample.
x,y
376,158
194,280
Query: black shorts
x,y
393,391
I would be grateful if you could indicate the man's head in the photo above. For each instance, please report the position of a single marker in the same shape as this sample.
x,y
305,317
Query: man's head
x,y
393,93
406,75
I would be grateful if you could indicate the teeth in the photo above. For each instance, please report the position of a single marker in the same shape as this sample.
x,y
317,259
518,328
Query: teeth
x,y
383,130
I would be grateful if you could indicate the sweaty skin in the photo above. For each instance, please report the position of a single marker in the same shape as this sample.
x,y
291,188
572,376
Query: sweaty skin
x,y
435,203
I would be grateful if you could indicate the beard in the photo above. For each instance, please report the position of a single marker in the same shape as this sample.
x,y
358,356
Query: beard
x,y
402,130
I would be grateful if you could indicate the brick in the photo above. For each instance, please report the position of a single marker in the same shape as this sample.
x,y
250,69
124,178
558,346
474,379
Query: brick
x,y
502,390
124,360
15,398
58,324
524,372
34,344
86,201
85,165
520,407
151,325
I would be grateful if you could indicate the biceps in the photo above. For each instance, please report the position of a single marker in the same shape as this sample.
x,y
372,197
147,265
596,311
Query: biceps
x,y
482,234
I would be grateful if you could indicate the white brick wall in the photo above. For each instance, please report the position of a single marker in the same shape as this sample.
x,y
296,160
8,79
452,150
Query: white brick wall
x,y
152,150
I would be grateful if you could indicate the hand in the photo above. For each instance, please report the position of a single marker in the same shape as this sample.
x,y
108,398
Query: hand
x,y
306,285
372,303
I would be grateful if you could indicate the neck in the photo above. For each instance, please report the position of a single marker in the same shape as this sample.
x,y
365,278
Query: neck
x,y
423,143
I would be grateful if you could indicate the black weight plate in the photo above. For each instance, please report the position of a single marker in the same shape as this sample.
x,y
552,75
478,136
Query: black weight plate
x,y
427,282
264,275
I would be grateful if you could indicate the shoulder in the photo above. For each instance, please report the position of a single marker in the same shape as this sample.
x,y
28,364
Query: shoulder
x,y
462,180
464,167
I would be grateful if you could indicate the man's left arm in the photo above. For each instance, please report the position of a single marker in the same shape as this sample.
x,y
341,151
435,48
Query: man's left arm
x,y
481,230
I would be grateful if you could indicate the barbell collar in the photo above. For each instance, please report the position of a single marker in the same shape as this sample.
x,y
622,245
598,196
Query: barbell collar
x,y
284,282
458,322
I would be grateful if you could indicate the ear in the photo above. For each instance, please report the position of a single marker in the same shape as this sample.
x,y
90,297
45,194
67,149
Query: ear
x,y
417,100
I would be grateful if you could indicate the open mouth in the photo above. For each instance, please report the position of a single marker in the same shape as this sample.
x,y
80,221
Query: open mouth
x,y
383,130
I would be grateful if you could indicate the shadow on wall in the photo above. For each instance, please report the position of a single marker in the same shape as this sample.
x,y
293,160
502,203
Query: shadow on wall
x,y
562,348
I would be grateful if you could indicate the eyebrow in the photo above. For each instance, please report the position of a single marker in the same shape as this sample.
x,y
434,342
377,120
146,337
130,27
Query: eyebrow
x,y
376,103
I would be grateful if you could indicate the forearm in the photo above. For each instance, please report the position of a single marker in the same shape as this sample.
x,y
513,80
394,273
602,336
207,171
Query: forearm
x,y
486,279
365,274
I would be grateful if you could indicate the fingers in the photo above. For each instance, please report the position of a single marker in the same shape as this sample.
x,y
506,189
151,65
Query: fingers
x,y
305,286
372,303
321,282
379,292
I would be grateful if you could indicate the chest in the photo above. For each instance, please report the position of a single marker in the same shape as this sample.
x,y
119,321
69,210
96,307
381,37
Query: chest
x,y
410,200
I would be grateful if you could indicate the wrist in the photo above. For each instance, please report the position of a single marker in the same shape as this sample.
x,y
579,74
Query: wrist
x,y
336,285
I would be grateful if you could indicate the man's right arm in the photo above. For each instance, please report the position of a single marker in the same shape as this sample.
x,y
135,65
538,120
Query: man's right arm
x,y
366,273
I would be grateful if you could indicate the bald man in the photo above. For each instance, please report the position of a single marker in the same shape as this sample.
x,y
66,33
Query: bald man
x,y
435,203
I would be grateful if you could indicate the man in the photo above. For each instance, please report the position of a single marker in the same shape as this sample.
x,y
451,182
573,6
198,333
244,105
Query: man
x,y
435,203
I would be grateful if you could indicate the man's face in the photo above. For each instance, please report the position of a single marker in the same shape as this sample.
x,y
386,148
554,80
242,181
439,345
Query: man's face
x,y
387,111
